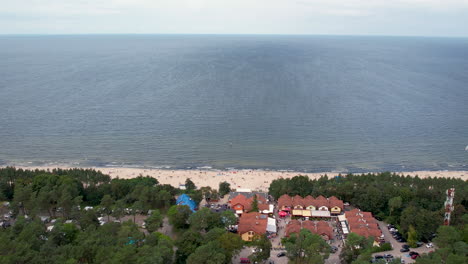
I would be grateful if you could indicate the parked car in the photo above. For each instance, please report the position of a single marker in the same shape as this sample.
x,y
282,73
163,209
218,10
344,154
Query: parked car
x,y
244,260
388,256
404,250
414,256
429,245
405,246
378,257
281,254
419,244
5,224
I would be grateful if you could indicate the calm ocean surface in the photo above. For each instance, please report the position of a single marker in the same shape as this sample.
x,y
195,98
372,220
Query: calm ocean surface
x,y
313,103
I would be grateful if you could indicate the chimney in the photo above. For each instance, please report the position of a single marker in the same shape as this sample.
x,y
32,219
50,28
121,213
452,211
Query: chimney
x,y
256,223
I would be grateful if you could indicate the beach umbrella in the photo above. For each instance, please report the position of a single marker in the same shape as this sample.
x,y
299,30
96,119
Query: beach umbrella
x,y
282,214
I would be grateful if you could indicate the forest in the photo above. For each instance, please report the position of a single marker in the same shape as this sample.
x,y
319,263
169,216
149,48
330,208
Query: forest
x,y
81,204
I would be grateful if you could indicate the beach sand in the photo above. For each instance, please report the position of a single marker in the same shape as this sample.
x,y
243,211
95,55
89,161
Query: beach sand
x,y
252,179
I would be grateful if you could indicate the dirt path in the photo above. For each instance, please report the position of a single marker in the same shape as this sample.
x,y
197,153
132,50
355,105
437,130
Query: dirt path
x,y
167,229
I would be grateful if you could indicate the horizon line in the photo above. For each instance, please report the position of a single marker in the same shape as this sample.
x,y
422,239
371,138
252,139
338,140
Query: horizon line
x,y
227,34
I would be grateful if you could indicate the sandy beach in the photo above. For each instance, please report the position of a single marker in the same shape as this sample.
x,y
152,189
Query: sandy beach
x,y
252,179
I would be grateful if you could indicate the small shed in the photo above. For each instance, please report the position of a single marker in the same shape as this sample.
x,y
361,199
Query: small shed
x,y
184,199
271,225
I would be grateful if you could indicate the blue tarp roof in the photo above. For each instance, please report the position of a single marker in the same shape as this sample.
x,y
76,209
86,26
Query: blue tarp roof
x,y
184,199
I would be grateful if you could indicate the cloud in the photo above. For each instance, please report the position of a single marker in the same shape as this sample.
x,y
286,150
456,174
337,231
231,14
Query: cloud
x,y
232,16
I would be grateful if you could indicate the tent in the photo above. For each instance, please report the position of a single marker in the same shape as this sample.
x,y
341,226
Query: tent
x,y
283,214
184,199
271,225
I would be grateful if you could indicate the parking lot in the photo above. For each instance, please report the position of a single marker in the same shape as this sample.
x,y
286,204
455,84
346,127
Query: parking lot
x,y
398,245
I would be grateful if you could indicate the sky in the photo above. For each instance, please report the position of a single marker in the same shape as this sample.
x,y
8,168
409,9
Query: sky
x,y
330,17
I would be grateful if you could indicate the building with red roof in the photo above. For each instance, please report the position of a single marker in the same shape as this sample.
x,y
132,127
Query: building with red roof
x,y
242,204
308,205
363,224
336,205
294,226
309,202
252,225
285,203
320,228
321,203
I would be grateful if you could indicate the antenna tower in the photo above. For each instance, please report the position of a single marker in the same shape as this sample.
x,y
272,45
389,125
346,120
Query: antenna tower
x,y
449,205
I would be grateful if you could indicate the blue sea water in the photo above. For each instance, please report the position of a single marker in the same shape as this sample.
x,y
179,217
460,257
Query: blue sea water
x,y
312,103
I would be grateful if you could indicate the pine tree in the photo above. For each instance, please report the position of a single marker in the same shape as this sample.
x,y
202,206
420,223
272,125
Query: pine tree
x,y
254,204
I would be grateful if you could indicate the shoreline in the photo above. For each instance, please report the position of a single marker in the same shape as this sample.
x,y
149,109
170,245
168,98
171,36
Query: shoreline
x,y
252,179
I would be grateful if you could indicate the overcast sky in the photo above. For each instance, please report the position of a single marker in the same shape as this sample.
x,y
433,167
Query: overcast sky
x,y
344,17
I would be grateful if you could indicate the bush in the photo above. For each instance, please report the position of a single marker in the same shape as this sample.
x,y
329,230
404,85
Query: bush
x,y
383,247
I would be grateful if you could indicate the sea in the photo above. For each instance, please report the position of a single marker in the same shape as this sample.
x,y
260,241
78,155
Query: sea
x,y
274,102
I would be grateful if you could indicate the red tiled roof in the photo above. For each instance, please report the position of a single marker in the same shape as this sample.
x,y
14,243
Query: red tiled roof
x,y
255,222
247,202
357,214
320,228
307,224
363,223
321,201
288,201
333,201
297,200
325,231
367,232
294,226
239,199
308,201
365,220
285,200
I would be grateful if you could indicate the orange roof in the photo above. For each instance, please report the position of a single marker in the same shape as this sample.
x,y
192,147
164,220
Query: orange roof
x,y
255,222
